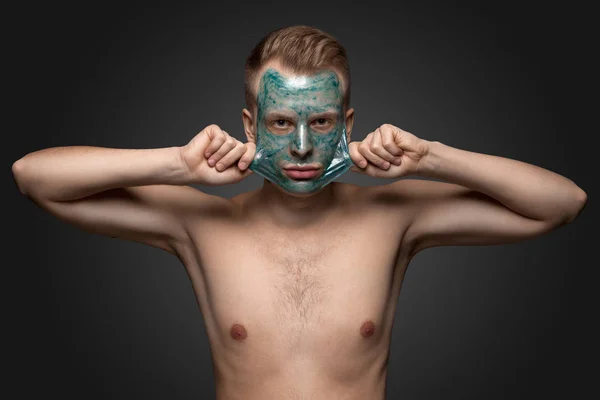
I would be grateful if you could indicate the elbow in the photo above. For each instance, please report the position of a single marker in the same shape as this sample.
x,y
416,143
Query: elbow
x,y
576,206
18,168
581,201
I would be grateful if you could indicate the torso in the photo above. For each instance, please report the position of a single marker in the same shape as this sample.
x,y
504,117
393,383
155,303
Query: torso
x,y
299,314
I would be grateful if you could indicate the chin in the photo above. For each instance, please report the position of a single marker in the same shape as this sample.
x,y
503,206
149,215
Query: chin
x,y
299,193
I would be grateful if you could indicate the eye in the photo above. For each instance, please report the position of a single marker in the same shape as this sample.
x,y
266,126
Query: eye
x,y
280,122
322,121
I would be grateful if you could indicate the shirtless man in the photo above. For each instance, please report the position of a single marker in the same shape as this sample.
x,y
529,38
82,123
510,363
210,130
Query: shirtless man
x,y
297,281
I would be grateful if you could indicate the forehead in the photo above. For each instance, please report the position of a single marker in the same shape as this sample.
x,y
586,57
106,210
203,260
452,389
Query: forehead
x,y
284,82
316,92
290,84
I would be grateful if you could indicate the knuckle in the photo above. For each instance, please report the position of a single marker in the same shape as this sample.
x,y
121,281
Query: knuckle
x,y
225,161
213,128
208,131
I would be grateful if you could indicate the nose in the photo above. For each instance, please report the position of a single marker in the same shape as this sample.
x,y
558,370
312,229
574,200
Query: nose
x,y
301,144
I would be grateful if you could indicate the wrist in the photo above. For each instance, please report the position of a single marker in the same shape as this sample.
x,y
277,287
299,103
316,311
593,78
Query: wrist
x,y
183,169
429,163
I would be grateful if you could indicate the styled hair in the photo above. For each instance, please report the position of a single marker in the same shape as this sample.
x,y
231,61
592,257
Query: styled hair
x,y
302,49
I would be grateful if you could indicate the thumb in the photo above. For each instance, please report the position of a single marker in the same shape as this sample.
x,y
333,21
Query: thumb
x,y
247,172
354,168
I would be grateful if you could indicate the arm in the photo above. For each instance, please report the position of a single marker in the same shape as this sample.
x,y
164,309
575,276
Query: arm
x,y
137,195
485,199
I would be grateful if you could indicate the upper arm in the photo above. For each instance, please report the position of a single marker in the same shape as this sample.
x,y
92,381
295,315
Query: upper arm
x,y
154,214
446,214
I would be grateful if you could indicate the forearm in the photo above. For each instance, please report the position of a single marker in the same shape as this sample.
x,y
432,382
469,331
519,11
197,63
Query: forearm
x,y
524,188
73,172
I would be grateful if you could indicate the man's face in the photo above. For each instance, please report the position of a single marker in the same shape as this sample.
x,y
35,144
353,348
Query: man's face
x,y
300,123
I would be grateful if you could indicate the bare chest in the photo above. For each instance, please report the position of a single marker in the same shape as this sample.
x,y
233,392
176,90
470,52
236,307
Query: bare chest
x,y
302,288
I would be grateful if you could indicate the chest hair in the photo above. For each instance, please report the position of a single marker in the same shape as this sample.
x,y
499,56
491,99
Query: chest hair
x,y
298,267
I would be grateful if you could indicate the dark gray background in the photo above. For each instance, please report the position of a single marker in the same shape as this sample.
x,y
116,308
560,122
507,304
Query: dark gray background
x,y
97,318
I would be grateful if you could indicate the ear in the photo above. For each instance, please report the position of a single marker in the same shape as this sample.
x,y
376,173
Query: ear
x,y
248,122
349,123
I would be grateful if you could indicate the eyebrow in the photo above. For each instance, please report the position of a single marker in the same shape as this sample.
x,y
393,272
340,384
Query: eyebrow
x,y
330,114
280,114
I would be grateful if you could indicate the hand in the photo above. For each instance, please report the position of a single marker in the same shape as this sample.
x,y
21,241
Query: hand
x,y
402,150
229,157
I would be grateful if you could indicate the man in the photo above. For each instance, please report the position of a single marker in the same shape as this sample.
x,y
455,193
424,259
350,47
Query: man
x,y
298,281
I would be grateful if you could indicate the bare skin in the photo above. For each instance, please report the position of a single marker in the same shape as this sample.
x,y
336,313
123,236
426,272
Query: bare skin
x,y
291,312
304,312
298,294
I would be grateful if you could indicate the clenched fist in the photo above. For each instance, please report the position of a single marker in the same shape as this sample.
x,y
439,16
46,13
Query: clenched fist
x,y
388,152
214,158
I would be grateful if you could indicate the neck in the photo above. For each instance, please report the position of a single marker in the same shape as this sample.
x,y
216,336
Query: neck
x,y
285,209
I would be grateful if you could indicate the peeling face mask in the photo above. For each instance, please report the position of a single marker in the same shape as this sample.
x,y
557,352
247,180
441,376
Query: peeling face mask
x,y
300,124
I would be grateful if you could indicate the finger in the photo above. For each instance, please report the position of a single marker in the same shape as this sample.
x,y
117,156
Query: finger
x,y
226,147
248,156
388,136
355,155
389,144
246,172
217,138
378,149
364,149
356,169
377,172
231,157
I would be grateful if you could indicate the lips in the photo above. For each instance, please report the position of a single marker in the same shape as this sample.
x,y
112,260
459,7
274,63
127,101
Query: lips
x,y
302,171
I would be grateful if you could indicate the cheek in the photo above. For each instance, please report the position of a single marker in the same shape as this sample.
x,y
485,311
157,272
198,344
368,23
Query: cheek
x,y
328,142
273,146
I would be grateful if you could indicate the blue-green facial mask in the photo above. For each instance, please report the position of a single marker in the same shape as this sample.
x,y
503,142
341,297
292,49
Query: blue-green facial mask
x,y
300,122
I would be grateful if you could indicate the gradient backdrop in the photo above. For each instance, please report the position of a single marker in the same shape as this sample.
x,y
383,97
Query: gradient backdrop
x,y
89,317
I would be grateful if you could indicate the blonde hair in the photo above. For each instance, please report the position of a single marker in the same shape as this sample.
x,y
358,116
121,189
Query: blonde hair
x,y
302,49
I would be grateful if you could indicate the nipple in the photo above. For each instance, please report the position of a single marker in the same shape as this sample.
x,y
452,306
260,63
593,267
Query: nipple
x,y
367,329
238,332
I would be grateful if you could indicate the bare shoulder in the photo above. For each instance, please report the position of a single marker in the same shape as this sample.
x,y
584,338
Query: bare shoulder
x,y
188,206
352,196
407,191
156,215
374,198
404,199
185,201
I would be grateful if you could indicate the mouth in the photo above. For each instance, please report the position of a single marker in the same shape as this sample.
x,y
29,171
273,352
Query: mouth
x,y
302,172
